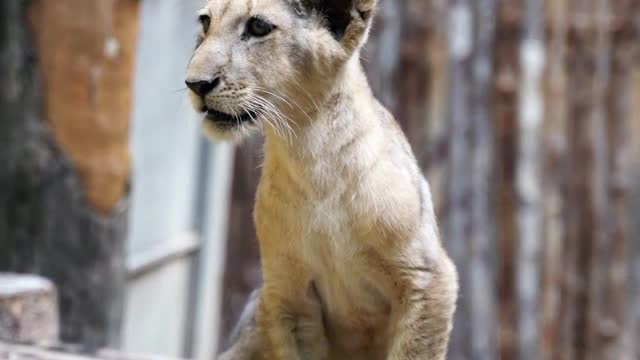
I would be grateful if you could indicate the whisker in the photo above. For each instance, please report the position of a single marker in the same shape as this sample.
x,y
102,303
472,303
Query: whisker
x,y
249,111
269,111
281,121
285,101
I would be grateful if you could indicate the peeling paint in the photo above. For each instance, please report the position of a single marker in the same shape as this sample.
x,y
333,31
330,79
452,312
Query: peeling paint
x,y
87,57
112,48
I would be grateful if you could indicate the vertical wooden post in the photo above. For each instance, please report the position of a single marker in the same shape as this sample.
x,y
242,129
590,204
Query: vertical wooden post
x,y
507,78
458,226
618,39
482,243
632,315
528,184
554,150
242,272
598,120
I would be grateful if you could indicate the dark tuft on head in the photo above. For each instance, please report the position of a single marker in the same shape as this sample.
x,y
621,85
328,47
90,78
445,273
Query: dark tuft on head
x,y
336,13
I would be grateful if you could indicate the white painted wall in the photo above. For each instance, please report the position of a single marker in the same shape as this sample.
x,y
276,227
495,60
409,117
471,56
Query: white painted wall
x,y
156,309
164,236
165,131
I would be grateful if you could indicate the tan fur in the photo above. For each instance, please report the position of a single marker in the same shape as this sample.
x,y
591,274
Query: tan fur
x,y
352,264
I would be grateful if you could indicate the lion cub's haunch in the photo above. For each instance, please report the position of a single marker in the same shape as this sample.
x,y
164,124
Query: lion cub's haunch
x,y
352,265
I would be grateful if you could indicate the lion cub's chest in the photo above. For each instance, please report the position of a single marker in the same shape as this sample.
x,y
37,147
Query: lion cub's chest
x,y
355,308
324,224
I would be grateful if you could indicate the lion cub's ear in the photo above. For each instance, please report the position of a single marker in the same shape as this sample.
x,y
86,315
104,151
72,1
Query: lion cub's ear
x,y
348,20
357,31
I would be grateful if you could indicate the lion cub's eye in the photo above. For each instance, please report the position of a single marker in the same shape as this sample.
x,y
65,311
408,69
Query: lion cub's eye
x,y
259,27
205,20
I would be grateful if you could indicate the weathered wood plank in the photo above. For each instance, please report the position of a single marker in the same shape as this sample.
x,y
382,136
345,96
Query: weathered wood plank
x,y
26,352
457,227
599,120
482,237
632,323
28,309
616,307
581,211
242,272
528,183
554,152
506,79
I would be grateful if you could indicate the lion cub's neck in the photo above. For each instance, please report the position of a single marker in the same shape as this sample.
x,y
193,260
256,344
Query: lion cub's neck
x,y
329,136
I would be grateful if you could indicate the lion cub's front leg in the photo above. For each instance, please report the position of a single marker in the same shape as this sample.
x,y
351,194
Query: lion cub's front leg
x,y
424,318
290,315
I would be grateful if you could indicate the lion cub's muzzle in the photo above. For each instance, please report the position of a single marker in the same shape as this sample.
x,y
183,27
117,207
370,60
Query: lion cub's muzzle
x,y
203,88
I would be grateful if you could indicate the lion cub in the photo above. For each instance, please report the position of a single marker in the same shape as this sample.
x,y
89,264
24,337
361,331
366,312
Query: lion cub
x,y
352,264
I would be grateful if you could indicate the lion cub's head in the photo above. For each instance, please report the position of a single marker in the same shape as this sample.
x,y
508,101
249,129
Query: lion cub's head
x,y
265,62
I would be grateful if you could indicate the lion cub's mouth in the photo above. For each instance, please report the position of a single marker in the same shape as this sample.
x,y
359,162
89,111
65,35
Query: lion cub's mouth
x,y
221,117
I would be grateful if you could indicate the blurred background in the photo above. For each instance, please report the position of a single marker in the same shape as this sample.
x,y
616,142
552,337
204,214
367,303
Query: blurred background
x,y
524,115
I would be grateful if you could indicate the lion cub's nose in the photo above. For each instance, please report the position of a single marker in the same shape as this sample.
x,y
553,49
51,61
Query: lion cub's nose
x,y
202,87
